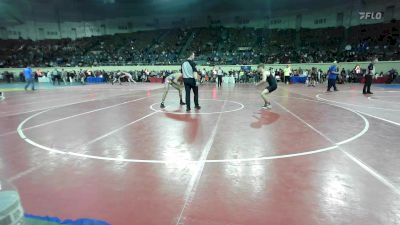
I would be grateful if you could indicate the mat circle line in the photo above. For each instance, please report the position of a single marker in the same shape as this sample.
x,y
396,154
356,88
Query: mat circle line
x,y
335,146
241,106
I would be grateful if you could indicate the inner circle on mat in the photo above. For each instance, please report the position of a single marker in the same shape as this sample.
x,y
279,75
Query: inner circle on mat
x,y
226,106
334,146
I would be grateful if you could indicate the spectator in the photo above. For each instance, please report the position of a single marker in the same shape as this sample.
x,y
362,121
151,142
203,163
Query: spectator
x,y
220,74
64,76
55,75
287,72
29,78
332,76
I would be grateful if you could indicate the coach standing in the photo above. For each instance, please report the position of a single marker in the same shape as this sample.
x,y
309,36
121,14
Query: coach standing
x,y
29,78
190,79
332,76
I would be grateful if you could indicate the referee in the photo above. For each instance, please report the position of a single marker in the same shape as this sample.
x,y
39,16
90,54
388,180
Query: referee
x,y
190,79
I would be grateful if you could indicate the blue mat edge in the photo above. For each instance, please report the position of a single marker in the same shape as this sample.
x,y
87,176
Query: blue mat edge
x,y
83,221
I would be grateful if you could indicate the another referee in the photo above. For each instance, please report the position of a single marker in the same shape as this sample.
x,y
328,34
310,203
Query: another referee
x,y
191,81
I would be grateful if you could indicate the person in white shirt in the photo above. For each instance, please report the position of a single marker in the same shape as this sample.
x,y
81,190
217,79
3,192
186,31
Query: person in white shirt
x,y
220,74
287,72
203,74
319,76
236,76
214,74
64,76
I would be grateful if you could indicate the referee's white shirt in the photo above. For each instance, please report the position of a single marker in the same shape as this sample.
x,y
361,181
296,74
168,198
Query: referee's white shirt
x,y
187,70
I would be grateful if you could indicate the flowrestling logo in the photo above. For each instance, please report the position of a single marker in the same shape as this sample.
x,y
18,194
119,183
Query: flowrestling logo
x,y
371,15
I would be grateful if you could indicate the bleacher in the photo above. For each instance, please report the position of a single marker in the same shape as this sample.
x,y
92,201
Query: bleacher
x,y
212,44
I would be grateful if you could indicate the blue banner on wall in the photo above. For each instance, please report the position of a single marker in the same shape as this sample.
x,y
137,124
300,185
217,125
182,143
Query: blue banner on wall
x,y
245,68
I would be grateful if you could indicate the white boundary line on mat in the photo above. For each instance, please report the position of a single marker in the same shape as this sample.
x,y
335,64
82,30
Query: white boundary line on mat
x,y
362,132
318,96
364,166
241,106
358,111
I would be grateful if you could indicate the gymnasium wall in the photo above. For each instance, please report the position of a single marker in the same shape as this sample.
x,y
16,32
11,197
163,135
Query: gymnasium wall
x,y
383,66
278,20
331,17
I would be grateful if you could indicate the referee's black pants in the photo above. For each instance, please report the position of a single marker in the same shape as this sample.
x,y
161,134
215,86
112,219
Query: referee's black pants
x,y
367,84
190,83
219,80
332,83
58,78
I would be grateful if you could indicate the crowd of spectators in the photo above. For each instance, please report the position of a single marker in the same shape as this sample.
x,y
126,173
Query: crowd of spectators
x,y
61,76
354,75
215,45
208,74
